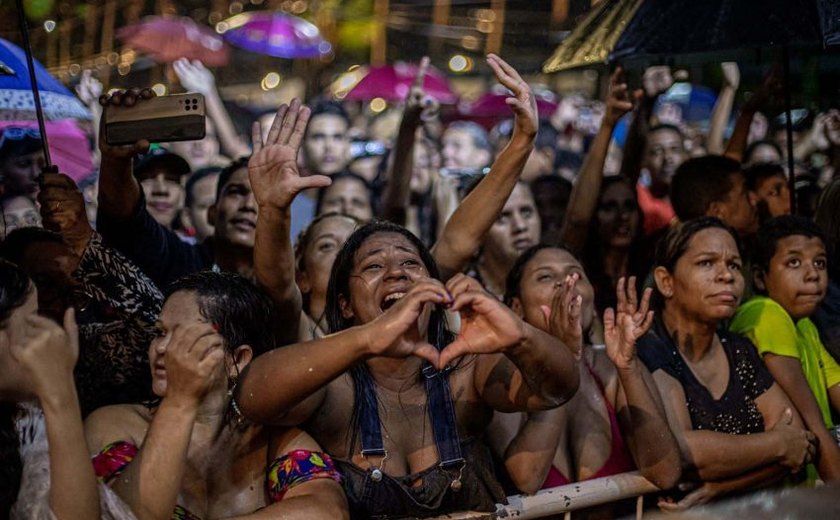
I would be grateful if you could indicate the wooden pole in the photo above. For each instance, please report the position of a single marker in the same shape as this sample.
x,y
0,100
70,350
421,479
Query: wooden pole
x,y
440,16
379,45
494,39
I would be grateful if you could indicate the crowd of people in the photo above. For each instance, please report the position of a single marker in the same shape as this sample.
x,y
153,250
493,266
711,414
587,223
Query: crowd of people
x,y
344,316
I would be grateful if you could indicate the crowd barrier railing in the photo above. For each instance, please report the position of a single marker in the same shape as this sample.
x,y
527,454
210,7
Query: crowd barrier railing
x,y
569,498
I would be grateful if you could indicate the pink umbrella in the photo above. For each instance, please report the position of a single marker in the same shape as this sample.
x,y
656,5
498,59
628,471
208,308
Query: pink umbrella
x,y
69,146
392,83
168,38
492,104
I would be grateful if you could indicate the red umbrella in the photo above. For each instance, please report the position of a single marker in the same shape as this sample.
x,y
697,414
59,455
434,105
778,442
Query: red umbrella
x,y
392,83
167,38
69,146
492,104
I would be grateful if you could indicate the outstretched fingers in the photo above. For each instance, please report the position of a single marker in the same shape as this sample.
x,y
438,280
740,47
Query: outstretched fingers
x,y
288,124
256,137
274,131
421,73
299,129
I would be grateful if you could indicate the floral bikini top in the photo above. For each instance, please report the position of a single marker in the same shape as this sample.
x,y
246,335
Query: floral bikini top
x,y
284,473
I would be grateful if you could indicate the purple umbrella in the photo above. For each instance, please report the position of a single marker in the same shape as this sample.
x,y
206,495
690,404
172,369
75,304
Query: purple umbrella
x,y
276,34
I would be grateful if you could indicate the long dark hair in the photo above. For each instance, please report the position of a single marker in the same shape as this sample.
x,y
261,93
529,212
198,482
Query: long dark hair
x,y
14,289
438,334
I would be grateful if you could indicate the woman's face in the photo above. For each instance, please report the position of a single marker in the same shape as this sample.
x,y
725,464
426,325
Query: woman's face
x,y
19,212
180,310
349,196
328,237
707,283
385,268
618,216
542,278
14,385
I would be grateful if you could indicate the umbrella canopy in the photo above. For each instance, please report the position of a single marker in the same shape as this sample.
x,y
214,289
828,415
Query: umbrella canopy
x,y
492,104
392,83
621,29
16,100
168,38
275,34
69,146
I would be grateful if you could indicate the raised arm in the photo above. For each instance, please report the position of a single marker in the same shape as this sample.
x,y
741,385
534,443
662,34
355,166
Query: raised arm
x,y
723,107
151,482
584,197
654,447
741,133
47,355
276,181
656,80
465,230
418,108
285,386
194,77
520,368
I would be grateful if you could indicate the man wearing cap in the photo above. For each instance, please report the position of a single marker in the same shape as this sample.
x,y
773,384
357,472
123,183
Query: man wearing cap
x,y
161,174
21,161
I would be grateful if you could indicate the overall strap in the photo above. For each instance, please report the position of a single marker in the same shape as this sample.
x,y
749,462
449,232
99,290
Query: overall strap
x,y
442,415
368,414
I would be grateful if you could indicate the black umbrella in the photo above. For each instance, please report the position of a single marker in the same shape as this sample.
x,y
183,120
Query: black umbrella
x,y
619,30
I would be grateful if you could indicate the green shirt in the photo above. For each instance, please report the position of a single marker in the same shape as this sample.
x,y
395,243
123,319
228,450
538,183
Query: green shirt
x,y
773,331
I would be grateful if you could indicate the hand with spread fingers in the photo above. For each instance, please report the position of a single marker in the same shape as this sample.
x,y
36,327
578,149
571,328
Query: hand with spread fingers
x,y
523,102
124,98
194,76
657,80
48,353
193,354
563,317
626,324
487,325
89,88
63,211
273,168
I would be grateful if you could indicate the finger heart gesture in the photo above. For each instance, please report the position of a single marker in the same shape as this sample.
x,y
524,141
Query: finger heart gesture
x,y
626,324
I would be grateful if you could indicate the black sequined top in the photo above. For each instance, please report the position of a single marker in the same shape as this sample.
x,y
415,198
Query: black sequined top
x,y
735,412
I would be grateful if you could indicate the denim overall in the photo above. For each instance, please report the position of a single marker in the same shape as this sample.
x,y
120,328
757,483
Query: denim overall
x,y
463,480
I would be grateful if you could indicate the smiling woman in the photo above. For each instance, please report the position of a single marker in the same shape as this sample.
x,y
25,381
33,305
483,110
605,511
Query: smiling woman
x,y
398,399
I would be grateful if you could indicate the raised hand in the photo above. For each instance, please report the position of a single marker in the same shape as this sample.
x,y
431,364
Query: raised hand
x,y
63,211
562,318
47,352
396,333
419,105
194,76
731,74
626,324
487,325
273,170
126,98
618,100
193,353
832,127
89,88
657,80
523,103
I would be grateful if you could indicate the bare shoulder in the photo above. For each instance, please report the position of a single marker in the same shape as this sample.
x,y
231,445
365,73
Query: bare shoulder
x,y
122,422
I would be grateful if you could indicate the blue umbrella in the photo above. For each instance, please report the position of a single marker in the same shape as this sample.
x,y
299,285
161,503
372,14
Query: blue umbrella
x,y
16,99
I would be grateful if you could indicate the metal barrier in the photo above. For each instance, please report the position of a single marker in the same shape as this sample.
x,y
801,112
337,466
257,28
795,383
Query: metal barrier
x,y
569,498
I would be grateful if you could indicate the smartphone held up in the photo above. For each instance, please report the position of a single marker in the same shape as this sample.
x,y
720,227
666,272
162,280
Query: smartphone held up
x,y
180,117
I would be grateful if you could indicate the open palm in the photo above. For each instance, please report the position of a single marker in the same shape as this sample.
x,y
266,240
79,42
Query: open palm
x,y
272,169
627,323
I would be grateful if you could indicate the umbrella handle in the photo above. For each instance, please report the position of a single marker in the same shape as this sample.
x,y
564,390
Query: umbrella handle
x,y
39,112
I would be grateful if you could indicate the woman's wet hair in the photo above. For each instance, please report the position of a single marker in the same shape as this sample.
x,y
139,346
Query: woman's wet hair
x,y
307,235
753,146
675,243
243,312
513,283
339,285
14,289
